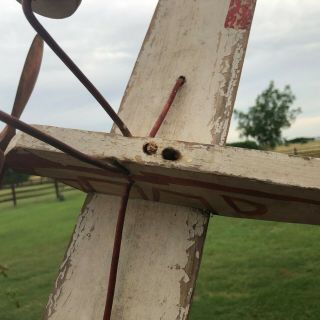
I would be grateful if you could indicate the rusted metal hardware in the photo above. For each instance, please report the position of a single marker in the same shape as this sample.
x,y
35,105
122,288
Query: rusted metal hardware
x,y
116,253
27,82
26,5
55,9
179,83
22,126
114,166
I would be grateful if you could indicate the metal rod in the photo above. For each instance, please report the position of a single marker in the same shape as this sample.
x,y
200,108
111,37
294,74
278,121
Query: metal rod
x,y
122,212
27,9
180,82
2,166
22,126
116,252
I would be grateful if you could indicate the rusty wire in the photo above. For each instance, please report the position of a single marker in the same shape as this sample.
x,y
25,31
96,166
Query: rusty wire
x,y
179,83
123,128
124,201
27,9
34,132
112,166
116,252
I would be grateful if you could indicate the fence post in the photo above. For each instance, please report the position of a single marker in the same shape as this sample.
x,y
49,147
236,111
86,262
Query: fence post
x,y
14,197
58,195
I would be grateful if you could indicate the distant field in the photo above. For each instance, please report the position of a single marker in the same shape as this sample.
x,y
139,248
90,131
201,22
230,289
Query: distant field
x,y
311,149
251,270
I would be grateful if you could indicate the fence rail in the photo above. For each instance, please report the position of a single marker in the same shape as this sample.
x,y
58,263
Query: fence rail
x,y
33,189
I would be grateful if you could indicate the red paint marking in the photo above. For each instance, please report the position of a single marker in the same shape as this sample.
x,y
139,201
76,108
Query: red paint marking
x,y
240,14
257,208
74,183
38,162
86,184
202,200
141,192
112,182
168,180
29,161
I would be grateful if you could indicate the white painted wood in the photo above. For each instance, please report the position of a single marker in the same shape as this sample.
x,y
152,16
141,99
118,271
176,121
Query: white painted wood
x,y
187,38
208,177
204,40
56,9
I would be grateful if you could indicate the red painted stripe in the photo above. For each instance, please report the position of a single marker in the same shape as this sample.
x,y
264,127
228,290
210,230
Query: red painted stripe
x,y
240,14
257,208
169,180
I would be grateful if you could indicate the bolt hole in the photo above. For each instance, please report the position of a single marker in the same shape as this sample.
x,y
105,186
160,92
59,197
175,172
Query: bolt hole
x,y
171,154
150,148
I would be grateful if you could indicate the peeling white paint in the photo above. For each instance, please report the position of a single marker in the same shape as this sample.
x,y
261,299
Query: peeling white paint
x,y
156,235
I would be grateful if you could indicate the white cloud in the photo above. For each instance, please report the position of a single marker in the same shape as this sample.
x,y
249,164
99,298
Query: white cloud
x,y
104,38
304,126
284,47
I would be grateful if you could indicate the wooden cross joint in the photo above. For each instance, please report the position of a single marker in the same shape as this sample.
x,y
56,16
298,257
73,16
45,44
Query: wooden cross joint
x,y
222,180
179,177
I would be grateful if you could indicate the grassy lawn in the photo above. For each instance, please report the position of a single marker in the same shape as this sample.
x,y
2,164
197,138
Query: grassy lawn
x,y
250,270
33,239
259,270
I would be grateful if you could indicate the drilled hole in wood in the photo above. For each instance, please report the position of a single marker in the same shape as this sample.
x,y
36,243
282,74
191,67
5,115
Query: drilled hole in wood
x,y
150,148
171,154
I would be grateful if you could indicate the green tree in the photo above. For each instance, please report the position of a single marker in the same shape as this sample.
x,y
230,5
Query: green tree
x,y
271,113
245,145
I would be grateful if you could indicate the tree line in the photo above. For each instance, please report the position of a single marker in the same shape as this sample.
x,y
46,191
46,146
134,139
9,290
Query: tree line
x,y
263,123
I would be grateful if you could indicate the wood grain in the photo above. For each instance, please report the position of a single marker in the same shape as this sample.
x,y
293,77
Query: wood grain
x,y
163,243
213,178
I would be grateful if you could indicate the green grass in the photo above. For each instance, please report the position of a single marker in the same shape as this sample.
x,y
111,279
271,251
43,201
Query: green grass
x,y
33,240
259,270
250,269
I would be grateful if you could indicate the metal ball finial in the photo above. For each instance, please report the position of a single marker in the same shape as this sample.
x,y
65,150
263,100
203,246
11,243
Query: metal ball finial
x,y
55,9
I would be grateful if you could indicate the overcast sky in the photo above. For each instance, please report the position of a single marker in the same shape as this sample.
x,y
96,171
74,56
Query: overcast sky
x,y
104,38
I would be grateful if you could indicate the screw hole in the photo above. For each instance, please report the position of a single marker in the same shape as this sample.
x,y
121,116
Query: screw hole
x,y
150,148
171,154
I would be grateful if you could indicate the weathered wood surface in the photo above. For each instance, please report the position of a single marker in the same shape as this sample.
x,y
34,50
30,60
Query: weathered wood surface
x,y
204,40
56,9
218,179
